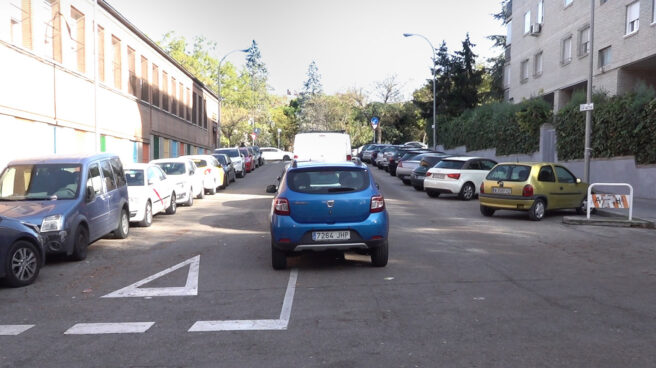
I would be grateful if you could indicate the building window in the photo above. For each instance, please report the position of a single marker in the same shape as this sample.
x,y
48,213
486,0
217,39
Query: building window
x,y
174,97
602,2
155,81
566,53
77,36
541,11
506,76
584,41
527,22
633,17
181,101
194,109
49,16
165,91
101,54
188,103
15,24
204,111
509,32
653,11
568,2
144,79
116,61
132,73
537,64
604,57
523,71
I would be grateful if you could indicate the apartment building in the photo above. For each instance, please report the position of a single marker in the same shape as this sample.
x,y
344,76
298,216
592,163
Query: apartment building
x,y
548,47
76,76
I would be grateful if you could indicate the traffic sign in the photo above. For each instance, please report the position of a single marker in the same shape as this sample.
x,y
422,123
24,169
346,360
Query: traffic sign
x,y
257,130
374,122
587,107
253,136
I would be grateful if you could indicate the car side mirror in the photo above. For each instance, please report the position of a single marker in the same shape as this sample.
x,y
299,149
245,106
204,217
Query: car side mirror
x,y
271,188
192,172
578,180
151,182
90,194
278,178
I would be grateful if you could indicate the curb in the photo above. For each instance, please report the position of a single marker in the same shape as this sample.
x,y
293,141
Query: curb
x,y
609,220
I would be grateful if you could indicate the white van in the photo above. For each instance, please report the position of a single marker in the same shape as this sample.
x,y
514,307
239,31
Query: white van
x,y
322,146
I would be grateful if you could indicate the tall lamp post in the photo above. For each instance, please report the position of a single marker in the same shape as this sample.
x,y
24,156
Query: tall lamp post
x,y
434,77
218,117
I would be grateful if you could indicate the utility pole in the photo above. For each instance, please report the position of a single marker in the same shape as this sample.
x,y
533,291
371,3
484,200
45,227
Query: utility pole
x,y
588,113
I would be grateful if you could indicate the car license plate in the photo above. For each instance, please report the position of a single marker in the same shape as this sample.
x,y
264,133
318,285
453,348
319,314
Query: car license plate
x,y
499,190
438,176
330,235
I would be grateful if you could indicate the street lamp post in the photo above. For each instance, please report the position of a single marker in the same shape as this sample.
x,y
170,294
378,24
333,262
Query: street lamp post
x,y
279,137
218,117
434,77
588,113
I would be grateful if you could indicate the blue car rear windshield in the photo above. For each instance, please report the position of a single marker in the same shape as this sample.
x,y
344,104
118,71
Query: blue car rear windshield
x,y
328,180
509,173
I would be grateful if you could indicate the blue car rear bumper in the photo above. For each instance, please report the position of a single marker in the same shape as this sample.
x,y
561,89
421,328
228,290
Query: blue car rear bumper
x,y
288,235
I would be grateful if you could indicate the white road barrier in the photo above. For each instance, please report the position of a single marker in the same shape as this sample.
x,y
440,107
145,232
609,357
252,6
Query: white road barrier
x,y
607,200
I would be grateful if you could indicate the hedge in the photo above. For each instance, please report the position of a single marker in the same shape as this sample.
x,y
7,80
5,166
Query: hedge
x,y
622,125
510,128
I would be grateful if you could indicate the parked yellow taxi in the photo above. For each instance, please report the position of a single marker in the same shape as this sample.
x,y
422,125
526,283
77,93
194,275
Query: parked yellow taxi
x,y
533,187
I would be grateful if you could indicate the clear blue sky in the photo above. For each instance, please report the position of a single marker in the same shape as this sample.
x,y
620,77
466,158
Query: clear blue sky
x,y
355,43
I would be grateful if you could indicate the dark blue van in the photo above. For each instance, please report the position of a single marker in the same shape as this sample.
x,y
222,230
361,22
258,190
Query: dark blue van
x,y
74,200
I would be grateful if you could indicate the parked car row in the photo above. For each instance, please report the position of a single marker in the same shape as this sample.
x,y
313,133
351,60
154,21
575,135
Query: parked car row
x,y
61,204
533,187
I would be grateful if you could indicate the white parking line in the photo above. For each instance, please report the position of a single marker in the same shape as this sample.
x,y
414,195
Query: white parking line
x,y
109,328
13,330
255,324
190,288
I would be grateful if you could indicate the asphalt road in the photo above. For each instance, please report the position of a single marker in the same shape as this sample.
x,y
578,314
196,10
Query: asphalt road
x,y
460,290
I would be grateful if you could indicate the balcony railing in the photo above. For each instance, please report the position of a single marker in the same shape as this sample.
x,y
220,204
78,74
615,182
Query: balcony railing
x,y
507,53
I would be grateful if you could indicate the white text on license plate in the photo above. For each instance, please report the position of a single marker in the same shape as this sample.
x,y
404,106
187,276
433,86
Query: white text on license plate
x,y
499,190
330,235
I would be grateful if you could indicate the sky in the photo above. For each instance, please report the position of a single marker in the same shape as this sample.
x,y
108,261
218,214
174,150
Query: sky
x,y
355,43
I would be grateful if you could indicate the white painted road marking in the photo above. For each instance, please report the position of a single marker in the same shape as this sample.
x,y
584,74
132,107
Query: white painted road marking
x,y
190,289
13,330
109,328
256,324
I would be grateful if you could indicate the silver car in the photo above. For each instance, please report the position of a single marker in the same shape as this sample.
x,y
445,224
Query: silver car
x,y
237,159
406,166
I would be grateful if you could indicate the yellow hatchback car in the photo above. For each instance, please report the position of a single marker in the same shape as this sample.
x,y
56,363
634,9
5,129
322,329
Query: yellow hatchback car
x,y
533,187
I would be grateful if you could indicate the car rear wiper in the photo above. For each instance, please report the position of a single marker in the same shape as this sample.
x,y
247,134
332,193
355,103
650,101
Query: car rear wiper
x,y
343,189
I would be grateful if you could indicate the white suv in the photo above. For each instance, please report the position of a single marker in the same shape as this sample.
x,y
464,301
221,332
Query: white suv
x,y
457,175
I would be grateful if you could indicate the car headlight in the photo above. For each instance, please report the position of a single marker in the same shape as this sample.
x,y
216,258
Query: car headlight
x,y
52,223
180,185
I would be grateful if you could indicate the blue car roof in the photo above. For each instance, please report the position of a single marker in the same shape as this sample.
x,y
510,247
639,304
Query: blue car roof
x,y
315,164
80,158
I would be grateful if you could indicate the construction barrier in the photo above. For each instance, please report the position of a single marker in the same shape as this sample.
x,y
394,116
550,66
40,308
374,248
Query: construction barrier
x,y
607,200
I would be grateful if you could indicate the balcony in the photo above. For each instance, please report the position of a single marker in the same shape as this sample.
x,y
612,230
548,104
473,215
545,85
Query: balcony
x,y
507,53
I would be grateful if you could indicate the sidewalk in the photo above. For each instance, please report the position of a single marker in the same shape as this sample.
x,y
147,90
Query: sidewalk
x,y
644,215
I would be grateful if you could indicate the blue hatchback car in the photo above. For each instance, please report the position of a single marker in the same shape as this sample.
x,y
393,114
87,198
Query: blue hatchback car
x,y
74,200
328,206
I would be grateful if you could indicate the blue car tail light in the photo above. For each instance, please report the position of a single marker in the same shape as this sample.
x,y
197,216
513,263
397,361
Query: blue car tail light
x,y
281,206
377,204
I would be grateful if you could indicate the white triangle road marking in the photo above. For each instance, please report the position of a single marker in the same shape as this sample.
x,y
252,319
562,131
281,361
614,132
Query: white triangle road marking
x,y
190,288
